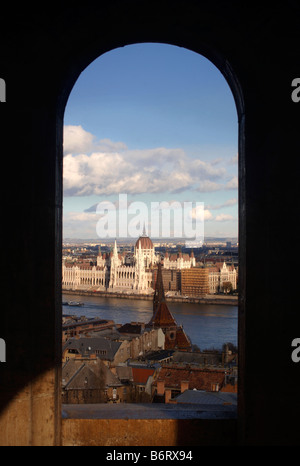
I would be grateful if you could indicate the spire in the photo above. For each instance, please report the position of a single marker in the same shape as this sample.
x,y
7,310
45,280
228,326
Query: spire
x,y
162,316
175,336
144,230
159,294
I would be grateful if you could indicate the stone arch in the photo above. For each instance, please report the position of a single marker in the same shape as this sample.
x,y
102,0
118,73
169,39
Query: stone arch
x,y
202,48
76,41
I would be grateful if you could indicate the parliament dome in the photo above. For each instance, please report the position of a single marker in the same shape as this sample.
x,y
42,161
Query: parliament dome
x,y
145,243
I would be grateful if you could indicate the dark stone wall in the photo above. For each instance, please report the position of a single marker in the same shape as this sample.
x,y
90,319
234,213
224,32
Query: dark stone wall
x,y
43,50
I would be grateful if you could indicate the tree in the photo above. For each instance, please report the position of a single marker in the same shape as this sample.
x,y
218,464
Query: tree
x,y
227,287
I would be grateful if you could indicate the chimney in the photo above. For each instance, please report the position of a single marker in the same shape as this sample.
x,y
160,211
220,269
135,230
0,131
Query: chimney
x,y
184,385
168,395
160,387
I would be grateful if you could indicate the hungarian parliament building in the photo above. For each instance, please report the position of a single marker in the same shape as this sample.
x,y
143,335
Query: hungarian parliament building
x,y
115,272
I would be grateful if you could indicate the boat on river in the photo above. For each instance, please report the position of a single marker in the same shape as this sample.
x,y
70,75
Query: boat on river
x,y
73,303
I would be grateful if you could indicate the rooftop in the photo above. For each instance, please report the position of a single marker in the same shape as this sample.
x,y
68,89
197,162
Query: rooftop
x,y
105,348
149,411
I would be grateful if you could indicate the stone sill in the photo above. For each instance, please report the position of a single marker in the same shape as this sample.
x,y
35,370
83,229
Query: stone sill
x,y
140,425
148,411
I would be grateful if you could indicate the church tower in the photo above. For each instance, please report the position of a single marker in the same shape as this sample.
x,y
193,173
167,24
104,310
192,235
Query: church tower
x,y
159,293
139,268
175,336
114,263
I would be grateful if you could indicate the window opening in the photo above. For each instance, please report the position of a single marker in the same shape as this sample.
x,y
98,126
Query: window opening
x,y
150,229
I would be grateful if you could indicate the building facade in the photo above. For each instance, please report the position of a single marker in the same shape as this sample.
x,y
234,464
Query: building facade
x,y
222,278
195,282
113,273
201,281
179,261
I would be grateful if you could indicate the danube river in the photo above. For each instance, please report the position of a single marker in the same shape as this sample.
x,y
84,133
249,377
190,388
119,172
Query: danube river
x,y
207,325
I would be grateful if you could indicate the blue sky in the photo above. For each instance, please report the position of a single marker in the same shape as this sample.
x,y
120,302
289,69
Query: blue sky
x,y
155,122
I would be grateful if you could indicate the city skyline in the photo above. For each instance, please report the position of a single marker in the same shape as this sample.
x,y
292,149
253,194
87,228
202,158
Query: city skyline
x,y
157,123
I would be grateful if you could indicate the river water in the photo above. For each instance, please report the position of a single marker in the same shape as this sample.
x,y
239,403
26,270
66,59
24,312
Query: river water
x,y
207,325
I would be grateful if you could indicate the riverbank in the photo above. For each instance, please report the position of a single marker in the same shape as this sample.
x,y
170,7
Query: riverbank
x,y
208,299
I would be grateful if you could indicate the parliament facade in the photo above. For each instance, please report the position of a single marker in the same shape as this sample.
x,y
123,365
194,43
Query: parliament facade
x,y
113,272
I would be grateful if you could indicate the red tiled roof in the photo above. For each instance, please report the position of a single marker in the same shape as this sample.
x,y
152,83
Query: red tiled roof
x,y
200,379
213,269
140,374
181,341
163,317
174,257
145,243
219,265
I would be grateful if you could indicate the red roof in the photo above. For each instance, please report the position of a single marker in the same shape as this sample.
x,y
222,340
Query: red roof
x,y
145,243
174,257
200,379
181,341
163,317
141,374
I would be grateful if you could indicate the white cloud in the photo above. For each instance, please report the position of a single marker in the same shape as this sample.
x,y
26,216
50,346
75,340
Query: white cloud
x,y
223,217
200,213
233,183
79,141
151,171
206,170
77,223
207,186
234,159
107,145
228,203
103,167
